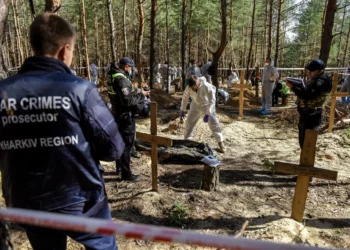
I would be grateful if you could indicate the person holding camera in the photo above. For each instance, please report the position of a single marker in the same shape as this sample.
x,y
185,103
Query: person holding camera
x,y
312,97
126,102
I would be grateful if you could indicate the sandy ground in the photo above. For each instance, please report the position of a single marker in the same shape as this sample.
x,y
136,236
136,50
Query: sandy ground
x,y
249,190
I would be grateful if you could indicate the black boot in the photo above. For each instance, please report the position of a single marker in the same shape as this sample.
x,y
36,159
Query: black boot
x,y
119,170
132,177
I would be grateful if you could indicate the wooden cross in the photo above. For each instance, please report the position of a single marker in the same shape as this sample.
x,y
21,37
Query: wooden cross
x,y
155,141
335,94
304,171
241,88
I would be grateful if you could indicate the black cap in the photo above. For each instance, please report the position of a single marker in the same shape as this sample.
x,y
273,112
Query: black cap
x,y
314,65
127,61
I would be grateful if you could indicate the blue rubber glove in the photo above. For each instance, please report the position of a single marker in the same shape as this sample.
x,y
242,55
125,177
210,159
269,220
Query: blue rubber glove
x,y
206,118
182,115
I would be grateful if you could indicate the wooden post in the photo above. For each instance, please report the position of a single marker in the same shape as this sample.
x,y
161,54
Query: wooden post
x,y
304,171
154,151
241,94
210,178
257,82
241,88
334,101
155,141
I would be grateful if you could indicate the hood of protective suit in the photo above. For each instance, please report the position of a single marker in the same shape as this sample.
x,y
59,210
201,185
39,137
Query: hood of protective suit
x,y
272,64
270,72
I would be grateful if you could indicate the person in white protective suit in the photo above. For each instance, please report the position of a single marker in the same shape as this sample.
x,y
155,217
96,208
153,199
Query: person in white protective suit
x,y
163,70
193,70
204,70
270,75
203,105
233,78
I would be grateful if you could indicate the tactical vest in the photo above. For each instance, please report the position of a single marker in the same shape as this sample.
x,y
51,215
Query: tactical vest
x,y
285,90
319,102
111,78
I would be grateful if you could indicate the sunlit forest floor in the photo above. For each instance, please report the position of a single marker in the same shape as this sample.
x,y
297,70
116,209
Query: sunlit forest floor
x,y
249,190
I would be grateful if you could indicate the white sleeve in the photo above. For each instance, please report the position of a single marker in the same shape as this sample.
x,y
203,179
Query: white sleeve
x,y
185,99
276,74
209,99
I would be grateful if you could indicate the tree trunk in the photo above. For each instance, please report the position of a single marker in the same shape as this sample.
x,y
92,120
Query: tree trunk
x,y
78,51
245,35
97,49
189,35
3,20
251,41
183,44
280,2
140,39
340,38
112,31
220,50
152,42
346,47
167,44
87,63
264,42
18,33
52,5
104,43
210,178
269,48
327,30
124,30
207,43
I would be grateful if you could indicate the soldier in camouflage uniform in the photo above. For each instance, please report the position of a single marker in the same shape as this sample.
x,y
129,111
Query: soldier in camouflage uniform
x,y
312,97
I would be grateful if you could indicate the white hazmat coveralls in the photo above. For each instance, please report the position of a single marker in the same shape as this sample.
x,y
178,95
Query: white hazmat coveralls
x,y
203,103
270,74
232,79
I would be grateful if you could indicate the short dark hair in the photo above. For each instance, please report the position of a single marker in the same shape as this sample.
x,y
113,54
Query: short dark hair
x,y
192,81
268,58
192,61
49,32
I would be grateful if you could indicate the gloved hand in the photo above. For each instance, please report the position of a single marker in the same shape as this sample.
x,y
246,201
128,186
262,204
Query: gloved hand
x,y
206,118
182,115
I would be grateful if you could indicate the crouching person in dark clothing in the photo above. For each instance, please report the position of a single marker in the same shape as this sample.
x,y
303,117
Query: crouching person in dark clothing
x,y
281,90
126,102
55,130
311,98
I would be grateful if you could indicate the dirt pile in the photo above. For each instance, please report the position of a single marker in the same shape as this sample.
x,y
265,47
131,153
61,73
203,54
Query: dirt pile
x,y
164,99
341,118
249,98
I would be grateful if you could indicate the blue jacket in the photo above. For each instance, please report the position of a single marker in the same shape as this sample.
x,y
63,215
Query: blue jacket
x,y
54,129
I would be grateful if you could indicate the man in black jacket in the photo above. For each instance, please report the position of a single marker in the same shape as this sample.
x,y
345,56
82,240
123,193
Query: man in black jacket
x,y
126,102
55,128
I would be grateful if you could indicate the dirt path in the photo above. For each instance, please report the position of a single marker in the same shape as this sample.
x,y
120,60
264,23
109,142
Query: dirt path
x,y
248,191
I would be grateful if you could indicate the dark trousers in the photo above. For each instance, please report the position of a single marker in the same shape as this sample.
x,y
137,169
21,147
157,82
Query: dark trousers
x,y
50,239
310,119
128,135
275,95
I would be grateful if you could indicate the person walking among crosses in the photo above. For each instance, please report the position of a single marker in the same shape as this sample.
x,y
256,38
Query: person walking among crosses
x,y
203,102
